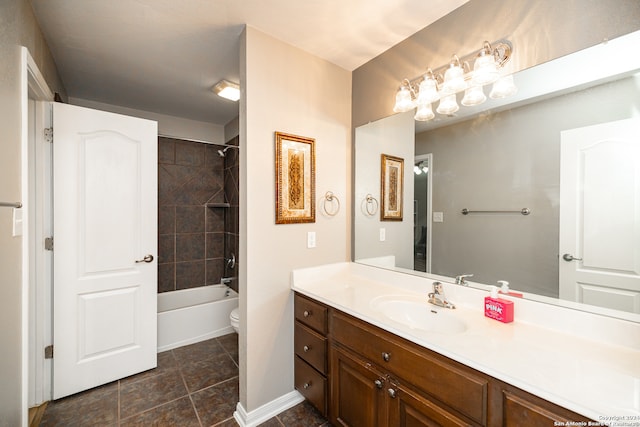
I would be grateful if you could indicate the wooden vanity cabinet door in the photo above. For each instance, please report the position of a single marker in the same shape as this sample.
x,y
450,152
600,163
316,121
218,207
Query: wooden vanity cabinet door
x,y
523,409
409,408
356,400
455,385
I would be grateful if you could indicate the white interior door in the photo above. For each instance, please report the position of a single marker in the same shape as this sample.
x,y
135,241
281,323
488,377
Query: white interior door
x,y
600,215
105,222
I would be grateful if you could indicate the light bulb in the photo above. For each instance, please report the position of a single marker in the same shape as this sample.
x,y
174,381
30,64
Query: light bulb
x,y
453,79
403,101
427,92
424,113
474,95
503,87
448,105
485,70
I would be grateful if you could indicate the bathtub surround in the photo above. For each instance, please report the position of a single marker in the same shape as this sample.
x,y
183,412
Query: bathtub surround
x,y
232,213
191,236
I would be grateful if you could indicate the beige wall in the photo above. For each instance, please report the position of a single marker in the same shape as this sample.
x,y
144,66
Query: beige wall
x,y
540,30
17,28
287,90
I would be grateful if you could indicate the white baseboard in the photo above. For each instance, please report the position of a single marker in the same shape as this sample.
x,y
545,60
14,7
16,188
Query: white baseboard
x,y
266,411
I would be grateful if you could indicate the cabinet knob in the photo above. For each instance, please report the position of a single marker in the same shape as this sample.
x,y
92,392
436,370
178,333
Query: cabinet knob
x,y
306,385
378,383
306,313
386,356
306,348
392,393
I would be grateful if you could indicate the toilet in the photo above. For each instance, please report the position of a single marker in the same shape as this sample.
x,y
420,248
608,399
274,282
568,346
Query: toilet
x,y
234,317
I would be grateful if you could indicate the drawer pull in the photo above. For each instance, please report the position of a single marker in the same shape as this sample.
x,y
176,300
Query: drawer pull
x,y
386,356
392,393
306,348
306,385
378,383
306,313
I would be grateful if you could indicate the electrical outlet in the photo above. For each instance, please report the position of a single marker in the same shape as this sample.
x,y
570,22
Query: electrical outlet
x,y
311,239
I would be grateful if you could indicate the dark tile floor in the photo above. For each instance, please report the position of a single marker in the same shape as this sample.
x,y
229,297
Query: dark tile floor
x,y
195,385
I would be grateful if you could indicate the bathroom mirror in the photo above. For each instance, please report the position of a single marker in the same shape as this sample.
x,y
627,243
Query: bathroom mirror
x,y
502,157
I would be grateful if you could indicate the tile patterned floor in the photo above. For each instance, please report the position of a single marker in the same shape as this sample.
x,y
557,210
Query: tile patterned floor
x,y
195,385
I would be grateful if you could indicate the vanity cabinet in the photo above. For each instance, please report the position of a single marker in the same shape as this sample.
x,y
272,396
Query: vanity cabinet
x,y
310,346
406,384
357,374
362,394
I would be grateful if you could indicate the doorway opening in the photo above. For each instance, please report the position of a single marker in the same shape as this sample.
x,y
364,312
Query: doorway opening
x,y
422,196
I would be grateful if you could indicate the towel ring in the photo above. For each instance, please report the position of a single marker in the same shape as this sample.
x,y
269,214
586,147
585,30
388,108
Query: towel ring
x,y
330,197
370,206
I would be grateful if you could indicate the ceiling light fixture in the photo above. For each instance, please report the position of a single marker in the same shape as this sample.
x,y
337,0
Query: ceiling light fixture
x,y
227,89
445,82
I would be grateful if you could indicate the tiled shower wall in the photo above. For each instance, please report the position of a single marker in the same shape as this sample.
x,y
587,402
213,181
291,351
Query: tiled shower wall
x,y
194,240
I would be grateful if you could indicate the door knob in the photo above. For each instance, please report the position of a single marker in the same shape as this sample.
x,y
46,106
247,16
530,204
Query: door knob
x,y
569,258
392,393
147,258
378,383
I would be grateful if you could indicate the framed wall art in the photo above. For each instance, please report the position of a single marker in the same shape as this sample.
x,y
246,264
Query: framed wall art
x,y
391,188
295,179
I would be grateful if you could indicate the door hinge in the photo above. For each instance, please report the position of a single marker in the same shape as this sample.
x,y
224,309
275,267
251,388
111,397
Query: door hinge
x,y
48,243
48,352
48,134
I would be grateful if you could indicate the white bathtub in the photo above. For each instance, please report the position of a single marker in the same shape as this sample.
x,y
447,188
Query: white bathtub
x,y
192,315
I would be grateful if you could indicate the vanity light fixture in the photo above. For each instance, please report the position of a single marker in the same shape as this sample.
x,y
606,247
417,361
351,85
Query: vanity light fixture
x,y
420,168
227,89
445,82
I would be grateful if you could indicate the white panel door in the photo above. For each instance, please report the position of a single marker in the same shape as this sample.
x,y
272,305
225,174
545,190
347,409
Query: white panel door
x,y
105,224
600,215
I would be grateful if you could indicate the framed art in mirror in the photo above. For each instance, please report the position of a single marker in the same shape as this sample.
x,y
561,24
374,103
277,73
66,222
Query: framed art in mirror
x,y
295,179
391,183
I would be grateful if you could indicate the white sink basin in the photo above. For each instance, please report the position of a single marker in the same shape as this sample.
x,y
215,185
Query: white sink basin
x,y
419,315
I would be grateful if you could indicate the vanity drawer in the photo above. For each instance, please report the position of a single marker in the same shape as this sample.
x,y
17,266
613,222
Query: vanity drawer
x,y
311,385
311,347
451,383
310,313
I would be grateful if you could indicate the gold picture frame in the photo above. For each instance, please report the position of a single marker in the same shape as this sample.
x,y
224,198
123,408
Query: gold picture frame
x,y
295,179
391,188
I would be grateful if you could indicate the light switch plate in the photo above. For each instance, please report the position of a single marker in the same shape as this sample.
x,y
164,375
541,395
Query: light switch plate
x,y
438,217
383,234
311,239
17,222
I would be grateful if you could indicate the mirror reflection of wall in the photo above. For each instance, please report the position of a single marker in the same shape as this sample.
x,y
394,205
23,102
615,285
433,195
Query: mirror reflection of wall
x,y
384,243
508,161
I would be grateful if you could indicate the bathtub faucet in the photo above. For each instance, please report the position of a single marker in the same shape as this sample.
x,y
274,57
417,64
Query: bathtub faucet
x,y
226,280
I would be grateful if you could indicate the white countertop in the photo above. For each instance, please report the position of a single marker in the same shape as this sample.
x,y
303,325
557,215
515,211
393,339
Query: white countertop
x,y
587,363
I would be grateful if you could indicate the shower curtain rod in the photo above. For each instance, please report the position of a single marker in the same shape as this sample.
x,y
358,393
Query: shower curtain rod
x,y
197,140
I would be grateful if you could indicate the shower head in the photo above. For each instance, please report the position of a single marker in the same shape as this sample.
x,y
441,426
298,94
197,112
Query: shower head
x,y
222,153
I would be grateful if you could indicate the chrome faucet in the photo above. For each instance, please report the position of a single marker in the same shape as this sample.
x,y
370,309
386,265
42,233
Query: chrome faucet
x,y
437,297
461,279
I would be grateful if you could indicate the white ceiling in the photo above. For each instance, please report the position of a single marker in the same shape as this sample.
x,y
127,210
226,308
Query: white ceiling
x,y
165,55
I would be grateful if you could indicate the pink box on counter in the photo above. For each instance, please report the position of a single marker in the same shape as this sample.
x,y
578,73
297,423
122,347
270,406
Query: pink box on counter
x,y
499,309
